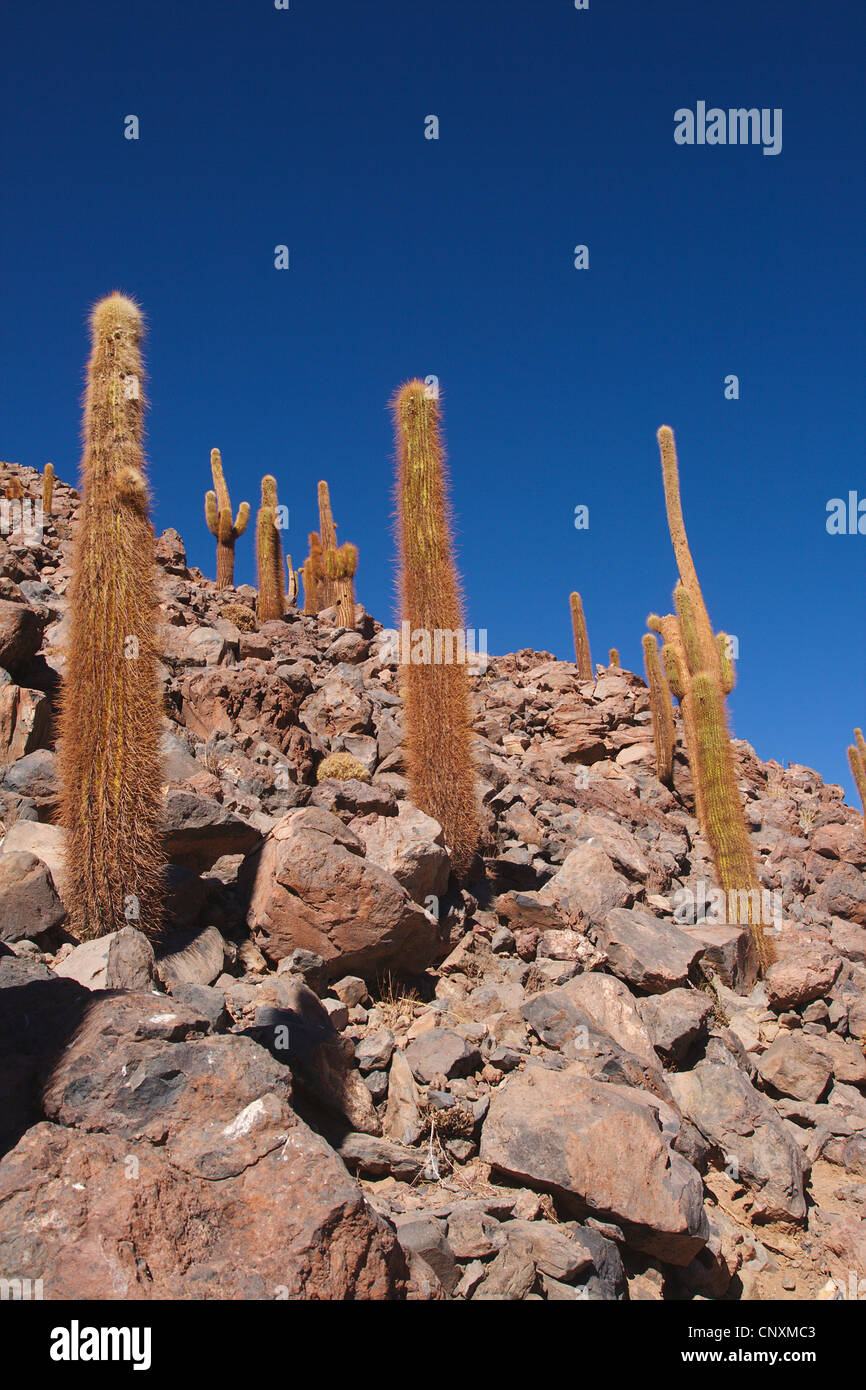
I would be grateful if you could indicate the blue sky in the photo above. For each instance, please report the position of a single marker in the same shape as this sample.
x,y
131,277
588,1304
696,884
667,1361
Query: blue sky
x,y
454,257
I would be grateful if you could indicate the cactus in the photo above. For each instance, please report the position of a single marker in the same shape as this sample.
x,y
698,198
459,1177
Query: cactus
x,y
613,658
340,568
269,555
328,537
857,760
700,674
313,576
292,587
243,617
14,489
341,766
438,720
581,640
218,513
661,709
111,706
47,489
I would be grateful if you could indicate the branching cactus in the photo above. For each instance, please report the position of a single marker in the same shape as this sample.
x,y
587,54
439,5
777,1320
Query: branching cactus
x,y
47,488
111,706
436,701
664,733
340,568
581,639
857,760
269,555
218,513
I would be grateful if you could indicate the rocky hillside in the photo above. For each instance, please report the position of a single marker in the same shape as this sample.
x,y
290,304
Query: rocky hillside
x,y
339,1076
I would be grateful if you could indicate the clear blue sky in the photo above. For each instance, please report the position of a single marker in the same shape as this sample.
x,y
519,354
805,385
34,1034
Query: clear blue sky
x,y
454,257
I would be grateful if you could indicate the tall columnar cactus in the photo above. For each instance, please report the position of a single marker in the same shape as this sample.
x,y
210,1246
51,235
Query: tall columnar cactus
x,y
269,555
857,760
111,707
328,537
438,720
218,513
47,488
700,673
664,733
340,568
581,639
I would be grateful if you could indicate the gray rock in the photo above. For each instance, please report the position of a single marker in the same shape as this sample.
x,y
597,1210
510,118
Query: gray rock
x,y
441,1052
645,952
676,1021
29,903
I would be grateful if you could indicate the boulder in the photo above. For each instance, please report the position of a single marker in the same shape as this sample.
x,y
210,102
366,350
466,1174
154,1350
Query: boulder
x,y
20,633
646,952
311,887
586,888
410,846
793,1068
566,1135
29,904
743,1128
198,830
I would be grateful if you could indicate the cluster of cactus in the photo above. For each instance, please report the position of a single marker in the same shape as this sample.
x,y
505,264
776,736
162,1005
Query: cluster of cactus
x,y
14,489
857,761
436,707
111,707
700,674
329,571
218,513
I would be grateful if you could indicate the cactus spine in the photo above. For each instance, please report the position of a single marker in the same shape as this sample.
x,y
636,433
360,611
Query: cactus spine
x,y
111,704
857,760
701,674
47,488
269,555
661,709
581,639
218,513
340,567
436,701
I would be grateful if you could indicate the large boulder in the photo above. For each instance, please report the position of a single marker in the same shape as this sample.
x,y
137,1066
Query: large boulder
x,y
311,887
586,887
566,1135
20,633
411,846
198,830
646,952
743,1129
46,842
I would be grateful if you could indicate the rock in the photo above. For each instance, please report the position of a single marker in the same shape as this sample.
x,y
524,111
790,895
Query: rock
x,y
843,894
374,1052
510,1276
208,1003
121,960
308,965
613,1007
402,1119
801,975
441,1052
731,952
372,1157
24,719
170,552
793,1068
425,1236
29,904
645,952
194,957
410,846
283,1219
742,1126
20,634
351,989
35,775
302,1035
677,1020
47,842
586,888
566,1135
311,887
198,830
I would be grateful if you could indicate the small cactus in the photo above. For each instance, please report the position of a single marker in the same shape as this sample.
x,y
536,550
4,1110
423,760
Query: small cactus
x,y
613,659
342,767
581,640
47,489
14,489
218,513
269,555
243,617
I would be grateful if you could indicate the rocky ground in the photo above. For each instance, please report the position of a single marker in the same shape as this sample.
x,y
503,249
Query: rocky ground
x,y
580,1098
